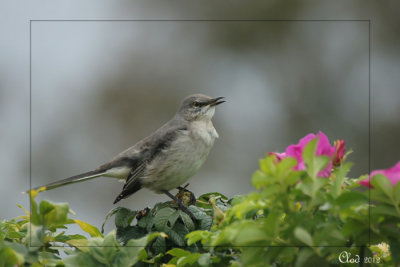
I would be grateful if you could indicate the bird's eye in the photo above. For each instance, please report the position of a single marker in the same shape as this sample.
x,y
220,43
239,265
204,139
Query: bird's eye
x,y
196,104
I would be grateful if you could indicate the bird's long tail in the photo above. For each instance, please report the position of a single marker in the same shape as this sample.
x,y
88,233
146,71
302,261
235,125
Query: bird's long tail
x,y
71,180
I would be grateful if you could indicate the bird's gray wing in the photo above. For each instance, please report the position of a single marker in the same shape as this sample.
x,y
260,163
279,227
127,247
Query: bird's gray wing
x,y
149,148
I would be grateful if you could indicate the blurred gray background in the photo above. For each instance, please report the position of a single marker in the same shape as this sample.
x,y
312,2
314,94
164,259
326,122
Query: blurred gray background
x,y
98,87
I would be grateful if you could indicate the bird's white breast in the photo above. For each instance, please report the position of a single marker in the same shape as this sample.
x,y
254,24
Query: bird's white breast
x,y
182,159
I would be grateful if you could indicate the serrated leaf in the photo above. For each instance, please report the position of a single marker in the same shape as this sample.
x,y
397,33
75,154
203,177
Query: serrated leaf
x,y
109,214
161,218
130,232
206,222
159,245
124,217
177,234
145,221
198,212
173,218
187,221
175,238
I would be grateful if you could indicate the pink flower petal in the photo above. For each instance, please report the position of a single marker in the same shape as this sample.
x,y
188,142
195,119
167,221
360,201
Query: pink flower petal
x,y
296,151
393,174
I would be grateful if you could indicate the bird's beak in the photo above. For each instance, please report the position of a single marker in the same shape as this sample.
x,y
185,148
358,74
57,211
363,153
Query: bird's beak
x,y
216,101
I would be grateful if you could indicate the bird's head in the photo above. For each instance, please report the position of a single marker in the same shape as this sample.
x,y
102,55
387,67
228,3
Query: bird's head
x,y
199,107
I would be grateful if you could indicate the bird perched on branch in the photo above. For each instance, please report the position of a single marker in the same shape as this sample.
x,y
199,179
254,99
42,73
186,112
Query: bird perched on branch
x,y
165,159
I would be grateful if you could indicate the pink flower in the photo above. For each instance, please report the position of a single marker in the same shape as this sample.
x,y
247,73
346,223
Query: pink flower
x,y
339,152
393,174
296,151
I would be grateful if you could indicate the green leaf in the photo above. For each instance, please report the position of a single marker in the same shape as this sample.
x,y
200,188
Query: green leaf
x,y
159,245
187,221
134,250
382,183
303,236
88,228
352,228
270,191
8,257
54,214
79,243
397,193
314,164
196,236
338,181
304,255
161,218
173,218
188,260
130,232
285,166
124,217
309,156
352,198
111,213
104,250
268,164
271,223
260,180
175,238
255,256
384,210
204,259
216,195
377,195
177,234
245,233
206,223
178,252
80,259
395,249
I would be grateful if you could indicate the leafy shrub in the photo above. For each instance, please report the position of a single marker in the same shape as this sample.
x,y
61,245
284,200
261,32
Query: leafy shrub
x,y
301,213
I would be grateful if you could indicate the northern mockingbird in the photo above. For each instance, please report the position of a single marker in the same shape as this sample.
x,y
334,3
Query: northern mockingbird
x,y
167,158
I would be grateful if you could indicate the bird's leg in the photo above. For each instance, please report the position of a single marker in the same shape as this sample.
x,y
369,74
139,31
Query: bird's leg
x,y
181,205
192,200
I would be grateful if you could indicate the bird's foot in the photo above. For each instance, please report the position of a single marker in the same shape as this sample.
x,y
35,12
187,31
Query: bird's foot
x,y
181,205
186,196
